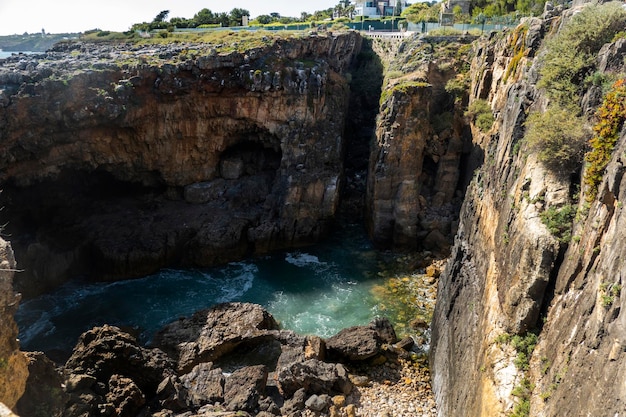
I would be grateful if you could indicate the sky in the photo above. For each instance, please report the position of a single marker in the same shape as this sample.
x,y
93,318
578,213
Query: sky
x,y
61,16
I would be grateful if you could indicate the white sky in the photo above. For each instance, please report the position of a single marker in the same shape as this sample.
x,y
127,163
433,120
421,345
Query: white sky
x,y
60,16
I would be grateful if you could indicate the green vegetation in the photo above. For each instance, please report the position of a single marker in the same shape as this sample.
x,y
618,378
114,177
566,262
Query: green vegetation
x,y
518,45
608,293
524,346
402,87
479,112
571,54
558,136
611,116
559,221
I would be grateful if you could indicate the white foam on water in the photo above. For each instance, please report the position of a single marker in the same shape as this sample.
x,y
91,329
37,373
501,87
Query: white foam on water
x,y
304,260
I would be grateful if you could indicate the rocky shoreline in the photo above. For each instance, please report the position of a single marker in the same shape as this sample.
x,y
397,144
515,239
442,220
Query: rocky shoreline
x,y
232,360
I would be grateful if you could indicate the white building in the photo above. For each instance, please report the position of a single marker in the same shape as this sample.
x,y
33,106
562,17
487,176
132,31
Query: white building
x,y
377,9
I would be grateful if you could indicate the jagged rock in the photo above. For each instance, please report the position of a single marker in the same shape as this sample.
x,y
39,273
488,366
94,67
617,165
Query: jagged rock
x,y
204,385
13,364
244,387
44,395
79,382
106,351
359,343
172,394
315,377
209,334
125,396
295,403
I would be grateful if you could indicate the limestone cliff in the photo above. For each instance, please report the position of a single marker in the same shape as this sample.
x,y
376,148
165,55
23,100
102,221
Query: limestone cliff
x,y
13,366
120,159
511,282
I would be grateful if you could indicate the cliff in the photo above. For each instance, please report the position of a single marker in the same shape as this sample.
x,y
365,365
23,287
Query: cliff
x,y
120,159
414,185
528,320
13,366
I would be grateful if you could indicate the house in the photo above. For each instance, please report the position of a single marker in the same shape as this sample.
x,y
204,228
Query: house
x,y
378,9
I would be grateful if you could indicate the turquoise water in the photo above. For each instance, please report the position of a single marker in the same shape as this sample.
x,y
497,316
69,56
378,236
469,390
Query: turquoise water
x,y
317,290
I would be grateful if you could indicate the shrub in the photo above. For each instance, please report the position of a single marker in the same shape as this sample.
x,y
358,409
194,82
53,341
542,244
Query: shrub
x,y
480,113
559,221
558,137
571,54
611,116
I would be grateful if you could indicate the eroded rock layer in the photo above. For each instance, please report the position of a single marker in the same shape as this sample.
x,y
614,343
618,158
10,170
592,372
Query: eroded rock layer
x,y
118,160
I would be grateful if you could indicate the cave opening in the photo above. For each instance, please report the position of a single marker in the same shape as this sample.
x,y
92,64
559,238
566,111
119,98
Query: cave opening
x,y
249,158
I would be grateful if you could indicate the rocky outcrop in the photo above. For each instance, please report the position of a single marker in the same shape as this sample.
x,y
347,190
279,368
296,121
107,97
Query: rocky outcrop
x,y
160,155
510,283
13,365
281,373
413,183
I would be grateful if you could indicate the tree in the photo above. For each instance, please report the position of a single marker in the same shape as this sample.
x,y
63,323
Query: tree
x,y
204,17
236,15
304,16
264,19
161,16
421,12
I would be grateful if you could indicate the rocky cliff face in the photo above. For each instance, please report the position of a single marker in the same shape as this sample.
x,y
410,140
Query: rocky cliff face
x,y
414,183
118,160
13,366
510,283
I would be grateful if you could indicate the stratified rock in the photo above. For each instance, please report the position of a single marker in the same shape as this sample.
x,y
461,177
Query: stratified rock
x,y
204,385
315,377
359,343
244,387
209,334
114,136
44,395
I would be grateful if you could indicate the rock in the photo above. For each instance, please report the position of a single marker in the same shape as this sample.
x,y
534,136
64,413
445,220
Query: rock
x,y
172,394
315,377
14,365
244,387
202,192
79,382
318,403
209,334
294,403
106,351
359,343
44,395
406,343
204,385
6,411
125,396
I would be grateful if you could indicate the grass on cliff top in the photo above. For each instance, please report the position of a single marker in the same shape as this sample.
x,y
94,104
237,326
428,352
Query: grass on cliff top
x,y
221,40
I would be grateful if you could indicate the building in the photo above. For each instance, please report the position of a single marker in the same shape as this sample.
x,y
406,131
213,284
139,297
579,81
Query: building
x,y
378,9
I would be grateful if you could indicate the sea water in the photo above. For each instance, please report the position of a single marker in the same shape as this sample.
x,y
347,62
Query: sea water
x,y
318,290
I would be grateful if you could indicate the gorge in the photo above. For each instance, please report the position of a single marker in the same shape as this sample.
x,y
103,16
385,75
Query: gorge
x,y
118,160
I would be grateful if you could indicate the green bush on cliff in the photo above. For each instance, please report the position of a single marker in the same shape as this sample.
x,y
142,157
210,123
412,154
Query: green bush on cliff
x,y
480,113
558,136
571,54
559,221
611,116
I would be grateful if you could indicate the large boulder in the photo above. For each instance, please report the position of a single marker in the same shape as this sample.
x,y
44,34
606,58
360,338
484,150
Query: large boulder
x,y
210,334
315,377
361,342
106,351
